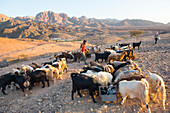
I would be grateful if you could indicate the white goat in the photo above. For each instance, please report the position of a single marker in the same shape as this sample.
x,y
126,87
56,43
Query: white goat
x,y
110,51
135,89
157,87
26,69
103,77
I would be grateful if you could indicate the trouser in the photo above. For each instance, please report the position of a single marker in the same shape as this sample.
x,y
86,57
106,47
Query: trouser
x,y
83,57
156,39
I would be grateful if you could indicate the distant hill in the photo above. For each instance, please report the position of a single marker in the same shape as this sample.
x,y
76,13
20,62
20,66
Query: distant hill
x,y
35,30
138,22
26,18
168,24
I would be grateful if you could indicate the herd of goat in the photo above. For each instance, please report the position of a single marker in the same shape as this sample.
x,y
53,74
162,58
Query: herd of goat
x,y
120,70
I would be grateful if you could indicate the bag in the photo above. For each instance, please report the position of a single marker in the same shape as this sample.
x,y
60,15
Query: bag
x,y
158,38
81,46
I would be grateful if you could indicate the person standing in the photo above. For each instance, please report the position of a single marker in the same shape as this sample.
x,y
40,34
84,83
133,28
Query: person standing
x,y
156,37
83,47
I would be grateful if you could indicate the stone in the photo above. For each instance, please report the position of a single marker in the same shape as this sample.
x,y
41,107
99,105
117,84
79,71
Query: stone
x,y
3,63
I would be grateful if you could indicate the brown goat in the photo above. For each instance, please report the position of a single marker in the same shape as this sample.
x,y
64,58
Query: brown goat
x,y
116,56
96,64
130,78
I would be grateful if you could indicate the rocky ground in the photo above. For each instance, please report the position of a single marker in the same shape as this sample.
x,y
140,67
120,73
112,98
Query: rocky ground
x,y
57,98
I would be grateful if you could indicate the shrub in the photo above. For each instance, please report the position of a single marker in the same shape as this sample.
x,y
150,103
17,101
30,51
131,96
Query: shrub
x,y
23,55
136,33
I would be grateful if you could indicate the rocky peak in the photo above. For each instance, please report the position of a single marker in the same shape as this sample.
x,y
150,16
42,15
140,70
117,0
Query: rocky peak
x,y
49,16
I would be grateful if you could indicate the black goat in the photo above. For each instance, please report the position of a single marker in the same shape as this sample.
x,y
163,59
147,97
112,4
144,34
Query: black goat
x,y
5,80
80,82
38,76
124,44
24,82
136,44
102,56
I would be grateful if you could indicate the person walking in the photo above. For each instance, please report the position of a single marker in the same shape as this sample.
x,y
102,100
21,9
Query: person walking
x,y
83,47
156,37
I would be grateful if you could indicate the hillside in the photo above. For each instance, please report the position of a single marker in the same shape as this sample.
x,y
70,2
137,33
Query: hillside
x,y
138,22
35,30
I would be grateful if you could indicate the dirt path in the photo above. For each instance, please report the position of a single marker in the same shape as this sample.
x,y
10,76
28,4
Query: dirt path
x,y
57,98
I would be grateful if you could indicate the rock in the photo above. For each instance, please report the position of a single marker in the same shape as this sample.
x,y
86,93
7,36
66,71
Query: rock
x,y
40,100
3,63
45,98
104,106
1,98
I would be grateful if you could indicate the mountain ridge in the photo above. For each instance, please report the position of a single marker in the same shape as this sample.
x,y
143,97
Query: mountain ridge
x,y
83,22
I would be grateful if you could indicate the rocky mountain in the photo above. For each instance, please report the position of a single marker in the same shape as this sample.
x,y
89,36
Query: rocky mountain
x,y
35,30
48,24
3,18
65,20
82,22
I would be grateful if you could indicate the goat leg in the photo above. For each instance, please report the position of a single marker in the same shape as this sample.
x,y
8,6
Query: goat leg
x,y
43,84
91,94
72,94
79,93
3,90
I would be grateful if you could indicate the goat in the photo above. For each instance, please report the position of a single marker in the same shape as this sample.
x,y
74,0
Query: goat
x,y
94,68
116,56
38,76
23,81
124,44
96,64
26,69
67,55
135,89
157,87
109,50
101,56
5,80
121,66
127,73
103,78
132,77
95,49
80,82
57,73
136,44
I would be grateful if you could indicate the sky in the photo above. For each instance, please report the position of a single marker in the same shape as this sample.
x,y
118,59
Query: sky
x,y
153,10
